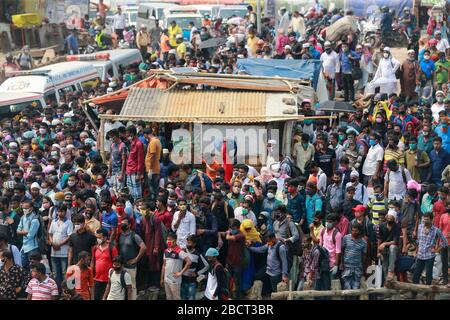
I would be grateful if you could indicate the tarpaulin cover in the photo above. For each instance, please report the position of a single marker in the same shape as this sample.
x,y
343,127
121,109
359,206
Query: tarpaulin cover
x,y
26,20
297,69
364,8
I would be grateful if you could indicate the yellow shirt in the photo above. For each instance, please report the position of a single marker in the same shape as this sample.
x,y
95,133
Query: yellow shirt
x,y
316,231
252,44
181,50
173,31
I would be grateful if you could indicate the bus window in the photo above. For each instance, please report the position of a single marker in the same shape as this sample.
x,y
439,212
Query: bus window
x,y
154,13
143,14
111,71
50,98
92,83
65,90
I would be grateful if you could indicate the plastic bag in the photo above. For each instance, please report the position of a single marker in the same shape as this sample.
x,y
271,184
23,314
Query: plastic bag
x,y
378,275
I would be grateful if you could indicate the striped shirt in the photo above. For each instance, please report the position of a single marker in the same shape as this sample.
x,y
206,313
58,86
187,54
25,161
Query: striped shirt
x,y
42,290
353,251
376,206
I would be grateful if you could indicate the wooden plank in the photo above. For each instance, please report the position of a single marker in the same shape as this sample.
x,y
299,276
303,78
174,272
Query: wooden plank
x,y
331,293
392,284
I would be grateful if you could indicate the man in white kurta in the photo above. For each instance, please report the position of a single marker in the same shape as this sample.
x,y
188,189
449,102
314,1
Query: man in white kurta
x,y
385,75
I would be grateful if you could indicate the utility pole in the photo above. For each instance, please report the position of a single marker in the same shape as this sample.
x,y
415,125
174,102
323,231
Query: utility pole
x,y
258,16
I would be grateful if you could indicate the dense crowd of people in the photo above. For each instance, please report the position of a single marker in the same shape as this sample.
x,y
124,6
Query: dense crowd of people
x,y
372,188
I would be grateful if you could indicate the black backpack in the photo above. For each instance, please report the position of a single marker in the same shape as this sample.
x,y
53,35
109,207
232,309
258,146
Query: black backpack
x,y
324,259
122,282
41,235
289,258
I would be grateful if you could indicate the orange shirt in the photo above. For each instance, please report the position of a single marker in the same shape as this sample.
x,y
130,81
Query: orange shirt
x,y
164,46
84,279
153,164
214,166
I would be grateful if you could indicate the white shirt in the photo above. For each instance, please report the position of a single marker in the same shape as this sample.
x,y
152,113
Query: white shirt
x,y
397,186
185,228
239,216
375,154
284,22
116,291
442,45
211,286
119,21
330,64
60,231
435,109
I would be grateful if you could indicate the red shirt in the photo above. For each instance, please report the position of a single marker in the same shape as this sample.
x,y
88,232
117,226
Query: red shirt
x,y
103,262
136,157
438,210
166,217
343,225
444,225
235,250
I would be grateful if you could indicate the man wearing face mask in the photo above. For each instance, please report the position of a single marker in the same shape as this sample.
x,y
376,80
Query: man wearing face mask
x,y
438,106
361,193
385,77
442,69
417,161
28,229
410,76
207,232
331,239
396,180
373,164
347,59
270,202
426,71
108,218
388,241
440,158
285,230
443,132
409,212
132,248
244,211
80,240
9,221
296,203
303,152
431,240
354,250
183,223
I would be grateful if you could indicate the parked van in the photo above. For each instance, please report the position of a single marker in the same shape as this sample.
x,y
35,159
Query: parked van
x,y
45,85
109,62
149,12
226,12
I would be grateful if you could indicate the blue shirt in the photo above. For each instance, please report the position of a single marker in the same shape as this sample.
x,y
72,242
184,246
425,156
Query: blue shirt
x,y
386,22
427,68
72,44
296,206
109,221
438,163
313,204
445,136
31,224
346,62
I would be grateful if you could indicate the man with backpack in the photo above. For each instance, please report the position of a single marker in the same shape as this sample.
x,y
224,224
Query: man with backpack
x,y
395,181
277,269
287,232
131,249
331,239
24,60
119,285
316,265
28,228
102,262
218,283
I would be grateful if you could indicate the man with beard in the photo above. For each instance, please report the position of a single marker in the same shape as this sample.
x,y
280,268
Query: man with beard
x,y
409,76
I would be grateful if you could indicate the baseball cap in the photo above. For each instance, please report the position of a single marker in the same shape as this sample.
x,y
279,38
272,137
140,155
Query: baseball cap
x,y
359,208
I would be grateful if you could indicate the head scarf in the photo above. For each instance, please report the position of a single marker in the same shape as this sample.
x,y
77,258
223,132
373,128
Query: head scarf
x,y
253,234
265,176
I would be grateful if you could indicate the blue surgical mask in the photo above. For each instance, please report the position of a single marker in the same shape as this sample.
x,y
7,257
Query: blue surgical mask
x,y
372,142
234,232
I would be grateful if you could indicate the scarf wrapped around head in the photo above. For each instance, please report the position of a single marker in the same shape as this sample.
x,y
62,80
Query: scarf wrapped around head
x,y
253,234
266,175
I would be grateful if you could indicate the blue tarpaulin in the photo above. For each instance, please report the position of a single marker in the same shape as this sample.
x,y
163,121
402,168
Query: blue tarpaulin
x,y
366,7
297,69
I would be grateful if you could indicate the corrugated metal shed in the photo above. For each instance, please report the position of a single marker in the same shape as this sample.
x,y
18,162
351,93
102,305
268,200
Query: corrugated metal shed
x,y
212,106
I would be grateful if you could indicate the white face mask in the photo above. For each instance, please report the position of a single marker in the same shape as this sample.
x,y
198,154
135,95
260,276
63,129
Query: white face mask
x,y
99,241
42,131
426,57
26,211
440,99
270,195
386,55
77,227
277,174
71,183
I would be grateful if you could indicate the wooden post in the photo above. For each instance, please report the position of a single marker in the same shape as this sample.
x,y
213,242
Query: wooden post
x,y
101,139
191,144
335,286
